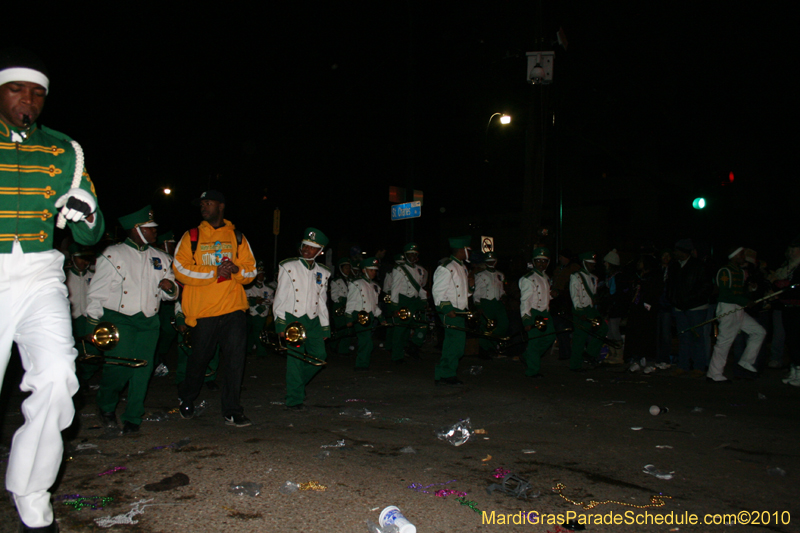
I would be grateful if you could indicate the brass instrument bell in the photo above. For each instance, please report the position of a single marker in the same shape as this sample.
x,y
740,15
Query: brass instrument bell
x,y
540,323
295,334
362,318
105,336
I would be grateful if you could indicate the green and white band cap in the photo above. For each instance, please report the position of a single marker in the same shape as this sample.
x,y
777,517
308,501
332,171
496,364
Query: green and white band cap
x,y
310,243
735,252
24,74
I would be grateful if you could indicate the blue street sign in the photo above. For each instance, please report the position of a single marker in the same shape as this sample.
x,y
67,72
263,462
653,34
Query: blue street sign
x,y
406,210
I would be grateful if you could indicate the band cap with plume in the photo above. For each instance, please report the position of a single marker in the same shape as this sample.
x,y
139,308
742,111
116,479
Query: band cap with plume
x,y
143,218
314,237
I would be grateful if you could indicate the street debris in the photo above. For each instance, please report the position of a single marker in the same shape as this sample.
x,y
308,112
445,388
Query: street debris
x,y
653,471
457,434
246,488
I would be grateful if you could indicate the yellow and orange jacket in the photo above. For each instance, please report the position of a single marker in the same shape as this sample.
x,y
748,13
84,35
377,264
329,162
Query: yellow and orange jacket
x,y
203,295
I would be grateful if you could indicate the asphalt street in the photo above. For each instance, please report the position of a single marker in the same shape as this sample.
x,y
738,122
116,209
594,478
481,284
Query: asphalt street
x,y
370,439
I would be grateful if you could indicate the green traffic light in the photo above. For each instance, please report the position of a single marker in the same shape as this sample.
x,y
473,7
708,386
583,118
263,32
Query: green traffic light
x,y
699,203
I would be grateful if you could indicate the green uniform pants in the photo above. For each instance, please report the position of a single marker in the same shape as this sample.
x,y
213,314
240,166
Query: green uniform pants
x,y
401,332
299,373
453,348
583,336
138,336
365,344
495,310
538,343
342,346
255,325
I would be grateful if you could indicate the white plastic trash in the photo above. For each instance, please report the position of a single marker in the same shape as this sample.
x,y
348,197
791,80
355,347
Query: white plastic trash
x,y
392,516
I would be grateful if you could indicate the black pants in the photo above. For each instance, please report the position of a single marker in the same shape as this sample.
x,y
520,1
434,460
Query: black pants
x,y
230,331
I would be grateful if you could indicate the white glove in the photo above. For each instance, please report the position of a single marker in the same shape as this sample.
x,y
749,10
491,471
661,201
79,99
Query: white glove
x,y
76,205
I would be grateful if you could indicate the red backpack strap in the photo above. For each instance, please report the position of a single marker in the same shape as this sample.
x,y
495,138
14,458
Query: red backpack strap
x,y
193,235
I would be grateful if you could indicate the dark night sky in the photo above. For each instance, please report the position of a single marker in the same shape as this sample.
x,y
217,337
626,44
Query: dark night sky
x,y
328,106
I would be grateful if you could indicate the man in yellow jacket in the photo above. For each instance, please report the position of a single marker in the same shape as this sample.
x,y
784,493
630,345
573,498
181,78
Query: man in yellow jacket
x,y
214,262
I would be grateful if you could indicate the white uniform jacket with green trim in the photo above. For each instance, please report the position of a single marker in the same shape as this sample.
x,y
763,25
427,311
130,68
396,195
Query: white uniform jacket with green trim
x,y
302,291
126,281
489,285
401,284
78,289
362,295
339,291
534,293
577,290
451,286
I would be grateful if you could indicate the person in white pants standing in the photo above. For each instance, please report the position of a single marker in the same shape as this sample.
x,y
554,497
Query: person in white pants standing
x,y
732,319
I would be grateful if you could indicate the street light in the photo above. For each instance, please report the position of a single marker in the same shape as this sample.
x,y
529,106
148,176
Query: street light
x,y
504,119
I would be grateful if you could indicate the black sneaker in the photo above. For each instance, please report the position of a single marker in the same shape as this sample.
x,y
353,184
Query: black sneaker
x,y
449,381
299,408
240,421
129,428
212,386
187,410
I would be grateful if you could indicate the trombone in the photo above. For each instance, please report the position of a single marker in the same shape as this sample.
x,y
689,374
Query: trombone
x,y
693,329
540,324
294,337
594,323
105,337
471,319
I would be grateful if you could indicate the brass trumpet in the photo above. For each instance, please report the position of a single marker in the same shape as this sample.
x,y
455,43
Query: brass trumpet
x,y
491,324
540,323
339,311
294,337
363,318
387,299
105,337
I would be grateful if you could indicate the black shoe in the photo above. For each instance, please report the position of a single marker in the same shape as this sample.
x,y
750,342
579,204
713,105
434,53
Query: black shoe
x,y
187,410
52,528
399,361
109,421
719,382
536,376
299,408
129,428
449,381
240,421
212,386
362,368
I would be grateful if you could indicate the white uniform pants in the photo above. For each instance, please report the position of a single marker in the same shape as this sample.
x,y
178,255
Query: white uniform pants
x,y
36,316
729,328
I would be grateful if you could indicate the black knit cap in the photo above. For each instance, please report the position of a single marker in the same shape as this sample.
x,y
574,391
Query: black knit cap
x,y
21,57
